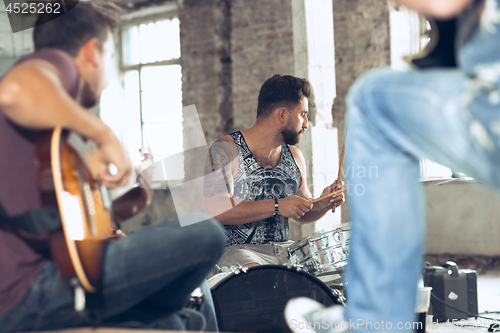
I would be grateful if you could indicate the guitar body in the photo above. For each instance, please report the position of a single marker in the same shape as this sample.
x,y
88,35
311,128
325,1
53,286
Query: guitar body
x,y
440,51
68,178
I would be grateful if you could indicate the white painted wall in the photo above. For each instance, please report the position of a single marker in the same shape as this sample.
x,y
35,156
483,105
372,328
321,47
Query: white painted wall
x,y
462,218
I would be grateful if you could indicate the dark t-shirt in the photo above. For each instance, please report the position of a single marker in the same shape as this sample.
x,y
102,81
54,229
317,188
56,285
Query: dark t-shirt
x,y
23,255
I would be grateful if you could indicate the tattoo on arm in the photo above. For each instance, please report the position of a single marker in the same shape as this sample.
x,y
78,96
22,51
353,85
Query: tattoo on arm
x,y
217,180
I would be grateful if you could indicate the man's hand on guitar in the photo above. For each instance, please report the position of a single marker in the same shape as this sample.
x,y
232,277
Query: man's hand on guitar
x,y
113,152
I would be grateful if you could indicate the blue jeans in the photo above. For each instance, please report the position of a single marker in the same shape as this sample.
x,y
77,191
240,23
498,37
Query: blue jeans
x,y
147,278
394,119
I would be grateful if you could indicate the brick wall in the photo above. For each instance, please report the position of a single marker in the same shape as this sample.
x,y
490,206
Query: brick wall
x,y
262,45
362,42
229,48
206,61
206,68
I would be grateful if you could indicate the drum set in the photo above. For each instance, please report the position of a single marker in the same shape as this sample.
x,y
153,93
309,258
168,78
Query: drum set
x,y
252,299
323,251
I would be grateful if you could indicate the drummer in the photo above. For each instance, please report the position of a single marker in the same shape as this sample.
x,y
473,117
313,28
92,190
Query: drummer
x,y
255,179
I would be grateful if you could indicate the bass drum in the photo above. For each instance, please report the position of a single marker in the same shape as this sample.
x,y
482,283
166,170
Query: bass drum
x,y
253,299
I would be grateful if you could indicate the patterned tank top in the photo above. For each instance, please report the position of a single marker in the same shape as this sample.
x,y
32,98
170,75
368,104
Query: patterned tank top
x,y
253,182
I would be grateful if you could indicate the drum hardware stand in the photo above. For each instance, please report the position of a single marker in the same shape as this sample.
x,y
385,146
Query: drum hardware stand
x,y
223,269
298,268
237,269
343,244
340,297
338,270
196,300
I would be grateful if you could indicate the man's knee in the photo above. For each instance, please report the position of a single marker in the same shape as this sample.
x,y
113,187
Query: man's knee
x,y
209,234
207,223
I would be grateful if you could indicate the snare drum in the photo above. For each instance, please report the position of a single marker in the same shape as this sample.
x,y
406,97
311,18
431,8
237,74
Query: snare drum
x,y
252,299
322,252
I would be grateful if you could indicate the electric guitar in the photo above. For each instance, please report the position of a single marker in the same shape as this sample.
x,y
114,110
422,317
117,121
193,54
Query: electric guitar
x,y
68,178
441,49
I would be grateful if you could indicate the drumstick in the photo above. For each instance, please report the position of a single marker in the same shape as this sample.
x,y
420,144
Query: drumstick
x,y
328,195
341,164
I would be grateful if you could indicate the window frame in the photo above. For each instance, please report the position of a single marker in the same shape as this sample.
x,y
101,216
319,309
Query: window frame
x,y
136,19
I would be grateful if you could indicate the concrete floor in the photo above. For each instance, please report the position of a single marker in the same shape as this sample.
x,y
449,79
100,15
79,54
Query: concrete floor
x,y
488,289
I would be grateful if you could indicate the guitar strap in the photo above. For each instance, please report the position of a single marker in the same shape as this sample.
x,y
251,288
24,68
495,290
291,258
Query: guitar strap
x,y
37,222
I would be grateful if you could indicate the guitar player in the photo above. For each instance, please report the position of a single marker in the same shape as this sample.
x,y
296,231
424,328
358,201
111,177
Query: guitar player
x,y
147,276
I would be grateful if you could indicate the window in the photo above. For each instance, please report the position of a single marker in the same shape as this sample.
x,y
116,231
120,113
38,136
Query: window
x,y
151,89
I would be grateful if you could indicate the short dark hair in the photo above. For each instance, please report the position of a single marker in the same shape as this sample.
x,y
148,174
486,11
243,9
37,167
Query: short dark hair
x,y
282,91
70,31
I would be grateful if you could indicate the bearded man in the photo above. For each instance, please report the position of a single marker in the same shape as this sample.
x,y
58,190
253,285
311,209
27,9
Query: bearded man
x,y
256,178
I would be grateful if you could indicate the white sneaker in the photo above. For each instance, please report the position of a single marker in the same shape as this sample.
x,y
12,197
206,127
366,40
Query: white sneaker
x,y
304,315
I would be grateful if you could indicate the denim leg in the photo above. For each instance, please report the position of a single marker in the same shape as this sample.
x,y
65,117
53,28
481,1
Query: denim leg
x,y
208,309
162,264
48,302
394,119
148,276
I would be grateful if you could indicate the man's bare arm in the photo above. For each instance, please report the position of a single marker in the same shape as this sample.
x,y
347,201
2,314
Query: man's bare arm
x,y
219,188
32,96
220,168
438,8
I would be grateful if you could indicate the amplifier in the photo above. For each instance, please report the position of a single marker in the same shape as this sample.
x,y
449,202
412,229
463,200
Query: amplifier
x,y
454,287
